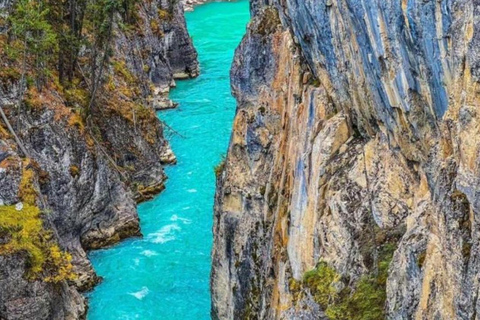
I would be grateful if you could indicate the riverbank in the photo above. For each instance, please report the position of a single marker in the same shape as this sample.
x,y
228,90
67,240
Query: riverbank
x,y
165,274
79,142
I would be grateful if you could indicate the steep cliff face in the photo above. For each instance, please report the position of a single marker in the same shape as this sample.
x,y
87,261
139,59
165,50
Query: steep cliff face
x,y
70,182
350,187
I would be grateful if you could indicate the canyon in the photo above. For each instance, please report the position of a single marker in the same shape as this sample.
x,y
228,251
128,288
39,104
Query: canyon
x,y
349,190
165,274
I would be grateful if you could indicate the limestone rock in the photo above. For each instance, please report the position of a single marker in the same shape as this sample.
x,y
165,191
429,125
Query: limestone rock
x,y
87,177
355,129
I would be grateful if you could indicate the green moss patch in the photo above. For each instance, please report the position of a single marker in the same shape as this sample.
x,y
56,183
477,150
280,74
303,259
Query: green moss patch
x,y
23,231
365,301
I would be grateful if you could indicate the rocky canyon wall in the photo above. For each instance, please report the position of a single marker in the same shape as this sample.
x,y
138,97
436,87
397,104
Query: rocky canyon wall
x,y
351,182
70,182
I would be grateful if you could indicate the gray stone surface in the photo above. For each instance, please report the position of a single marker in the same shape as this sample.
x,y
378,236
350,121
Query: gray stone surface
x,y
356,126
89,180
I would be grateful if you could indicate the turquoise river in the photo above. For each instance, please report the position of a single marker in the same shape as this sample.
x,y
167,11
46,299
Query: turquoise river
x,y
165,274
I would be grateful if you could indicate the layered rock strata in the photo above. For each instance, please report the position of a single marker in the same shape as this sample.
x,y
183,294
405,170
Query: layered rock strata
x,y
350,187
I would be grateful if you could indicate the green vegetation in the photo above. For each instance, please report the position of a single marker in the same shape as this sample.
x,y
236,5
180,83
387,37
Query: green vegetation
x,y
22,227
76,96
21,230
24,232
41,45
321,281
26,190
220,167
43,40
33,39
121,69
363,302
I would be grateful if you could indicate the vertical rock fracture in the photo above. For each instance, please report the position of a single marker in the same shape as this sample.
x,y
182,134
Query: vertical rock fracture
x,y
350,189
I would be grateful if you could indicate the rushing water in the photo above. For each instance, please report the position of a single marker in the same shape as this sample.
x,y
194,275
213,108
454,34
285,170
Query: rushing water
x,y
165,275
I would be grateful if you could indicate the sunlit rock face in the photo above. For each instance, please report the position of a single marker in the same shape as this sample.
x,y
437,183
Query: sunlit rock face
x,y
356,131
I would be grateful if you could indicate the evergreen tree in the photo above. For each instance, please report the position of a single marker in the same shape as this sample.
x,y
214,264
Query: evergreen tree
x,y
32,39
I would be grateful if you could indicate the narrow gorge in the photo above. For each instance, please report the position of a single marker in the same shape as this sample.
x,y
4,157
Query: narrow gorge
x,y
165,274
351,182
330,172
82,146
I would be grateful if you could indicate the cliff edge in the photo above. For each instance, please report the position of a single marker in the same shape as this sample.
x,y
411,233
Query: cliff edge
x,y
350,186
80,142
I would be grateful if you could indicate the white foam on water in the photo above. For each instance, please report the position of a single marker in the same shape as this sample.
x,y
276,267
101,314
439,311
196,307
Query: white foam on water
x,y
140,294
136,261
165,234
177,218
149,253
192,190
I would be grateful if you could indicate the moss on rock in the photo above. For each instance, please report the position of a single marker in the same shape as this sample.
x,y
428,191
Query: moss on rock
x,y
365,301
22,228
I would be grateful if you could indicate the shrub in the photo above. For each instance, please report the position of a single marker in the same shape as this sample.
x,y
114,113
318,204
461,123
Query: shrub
x,y
26,191
365,301
59,265
24,231
76,97
320,281
220,167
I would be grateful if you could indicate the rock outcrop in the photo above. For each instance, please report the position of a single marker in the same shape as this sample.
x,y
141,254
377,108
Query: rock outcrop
x,y
85,174
189,5
350,189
